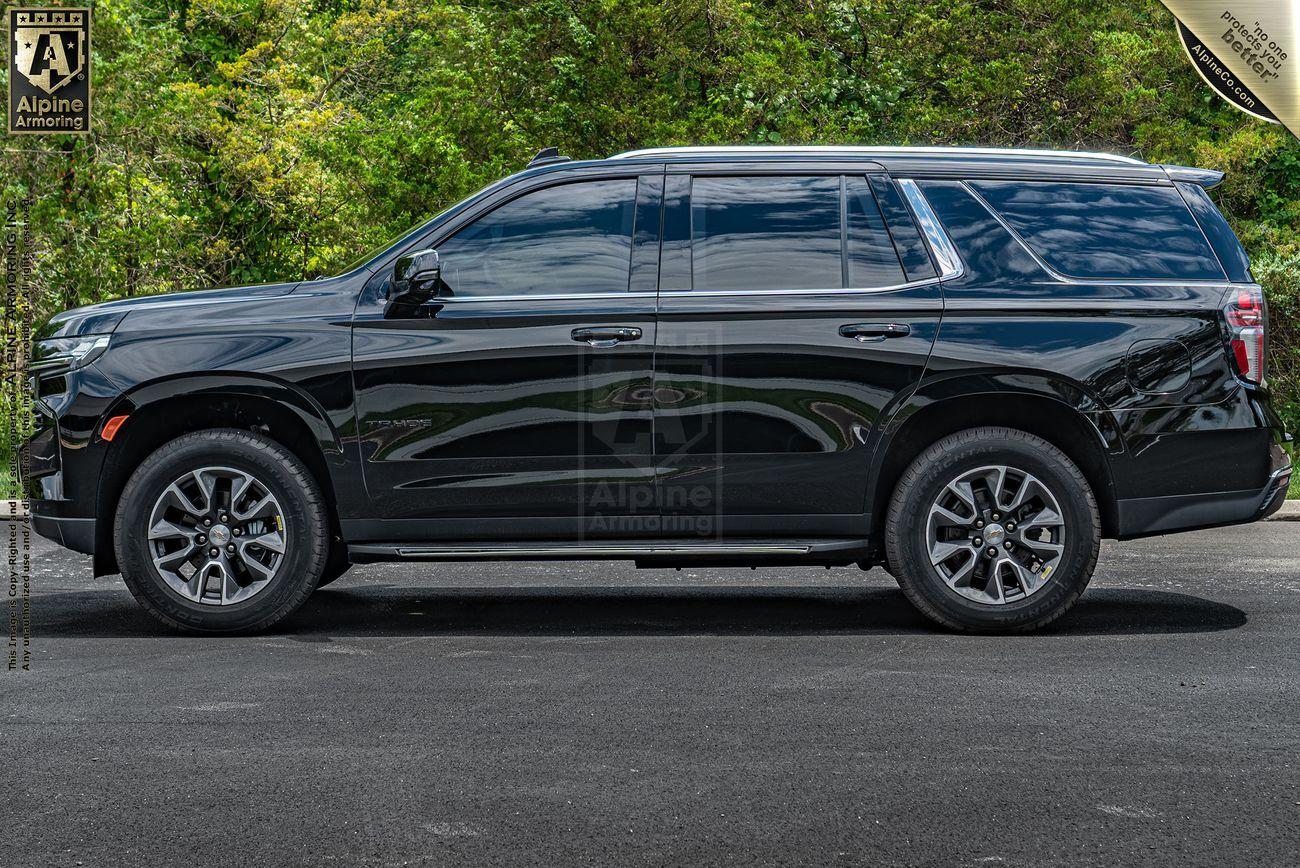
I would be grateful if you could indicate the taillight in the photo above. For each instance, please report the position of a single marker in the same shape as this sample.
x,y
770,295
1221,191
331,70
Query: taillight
x,y
1247,318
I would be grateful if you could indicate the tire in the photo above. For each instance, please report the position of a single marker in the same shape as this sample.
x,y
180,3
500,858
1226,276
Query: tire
x,y
192,476
928,519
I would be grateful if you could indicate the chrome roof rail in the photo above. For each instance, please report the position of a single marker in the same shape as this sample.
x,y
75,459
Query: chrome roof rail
x,y
869,151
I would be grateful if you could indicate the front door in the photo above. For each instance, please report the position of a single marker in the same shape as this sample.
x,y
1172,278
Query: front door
x,y
789,320
518,402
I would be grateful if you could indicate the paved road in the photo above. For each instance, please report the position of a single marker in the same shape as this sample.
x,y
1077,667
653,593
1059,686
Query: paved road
x,y
587,714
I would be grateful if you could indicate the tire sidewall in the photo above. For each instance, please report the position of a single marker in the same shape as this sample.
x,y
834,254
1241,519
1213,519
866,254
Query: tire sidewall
x,y
1079,512
280,472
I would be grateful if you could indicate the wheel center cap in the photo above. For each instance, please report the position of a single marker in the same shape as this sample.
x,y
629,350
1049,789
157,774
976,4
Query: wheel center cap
x,y
220,534
995,534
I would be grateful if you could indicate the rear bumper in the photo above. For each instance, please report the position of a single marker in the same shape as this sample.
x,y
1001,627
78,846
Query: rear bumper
x,y
1146,516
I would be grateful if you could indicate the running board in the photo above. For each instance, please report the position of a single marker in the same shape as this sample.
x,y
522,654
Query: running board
x,y
844,551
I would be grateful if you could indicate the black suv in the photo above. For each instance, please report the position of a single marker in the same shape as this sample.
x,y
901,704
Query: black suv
x,y
967,366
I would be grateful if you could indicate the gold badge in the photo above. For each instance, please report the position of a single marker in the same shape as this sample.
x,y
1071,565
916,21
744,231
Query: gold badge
x,y
49,71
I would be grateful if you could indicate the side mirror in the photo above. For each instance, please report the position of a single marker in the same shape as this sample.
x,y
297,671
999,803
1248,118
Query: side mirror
x,y
415,281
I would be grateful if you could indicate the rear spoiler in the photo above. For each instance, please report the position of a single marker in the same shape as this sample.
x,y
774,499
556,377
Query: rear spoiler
x,y
1207,178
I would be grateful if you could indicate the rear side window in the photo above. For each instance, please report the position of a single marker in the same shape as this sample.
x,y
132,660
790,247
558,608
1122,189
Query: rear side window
x,y
869,257
784,232
1106,231
766,233
1222,238
907,238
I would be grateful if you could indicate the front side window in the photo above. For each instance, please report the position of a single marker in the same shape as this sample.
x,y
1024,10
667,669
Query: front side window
x,y
570,239
1101,231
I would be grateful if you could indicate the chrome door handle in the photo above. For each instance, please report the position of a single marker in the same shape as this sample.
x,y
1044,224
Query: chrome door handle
x,y
874,332
602,338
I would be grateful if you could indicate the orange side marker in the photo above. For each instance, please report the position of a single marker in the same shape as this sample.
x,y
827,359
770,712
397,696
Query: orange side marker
x,y
111,427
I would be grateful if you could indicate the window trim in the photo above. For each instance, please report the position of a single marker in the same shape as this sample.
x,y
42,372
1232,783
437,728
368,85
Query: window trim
x,y
946,257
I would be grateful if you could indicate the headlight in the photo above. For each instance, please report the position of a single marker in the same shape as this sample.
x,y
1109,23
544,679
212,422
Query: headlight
x,y
67,354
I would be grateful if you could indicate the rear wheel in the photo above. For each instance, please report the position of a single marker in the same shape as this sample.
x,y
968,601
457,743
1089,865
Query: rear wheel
x,y
993,529
221,531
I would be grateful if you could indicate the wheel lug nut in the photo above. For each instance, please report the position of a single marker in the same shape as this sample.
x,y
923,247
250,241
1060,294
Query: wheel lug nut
x,y
978,542
214,552
207,522
996,516
991,552
231,548
237,532
979,523
1007,546
202,539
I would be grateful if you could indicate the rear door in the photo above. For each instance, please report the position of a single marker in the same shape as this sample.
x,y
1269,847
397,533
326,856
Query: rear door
x,y
791,315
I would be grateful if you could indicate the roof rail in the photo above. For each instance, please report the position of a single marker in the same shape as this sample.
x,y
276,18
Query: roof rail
x,y
869,150
546,156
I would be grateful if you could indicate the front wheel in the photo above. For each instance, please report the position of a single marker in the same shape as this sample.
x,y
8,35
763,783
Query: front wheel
x,y
221,531
993,530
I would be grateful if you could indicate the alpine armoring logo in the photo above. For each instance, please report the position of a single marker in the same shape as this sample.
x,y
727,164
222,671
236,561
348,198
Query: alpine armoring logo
x,y
49,71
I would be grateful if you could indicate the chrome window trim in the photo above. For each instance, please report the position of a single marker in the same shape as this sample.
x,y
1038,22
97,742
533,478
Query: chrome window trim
x,y
549,296
677,293
945,254
754,293
1098,281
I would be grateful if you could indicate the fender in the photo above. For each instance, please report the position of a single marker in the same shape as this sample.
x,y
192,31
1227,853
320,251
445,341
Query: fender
x,y
1041,384
991,386
304,406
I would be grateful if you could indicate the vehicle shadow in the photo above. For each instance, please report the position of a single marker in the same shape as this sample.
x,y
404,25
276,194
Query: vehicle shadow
x,y
616,611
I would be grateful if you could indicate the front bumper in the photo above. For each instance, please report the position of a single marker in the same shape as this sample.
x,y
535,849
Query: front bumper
x,y
63,459
77,534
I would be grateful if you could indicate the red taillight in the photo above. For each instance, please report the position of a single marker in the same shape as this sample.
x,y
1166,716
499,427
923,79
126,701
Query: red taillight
x,y
1247,319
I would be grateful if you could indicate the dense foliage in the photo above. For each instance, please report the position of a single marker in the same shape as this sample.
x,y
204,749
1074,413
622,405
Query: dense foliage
x,y
252,140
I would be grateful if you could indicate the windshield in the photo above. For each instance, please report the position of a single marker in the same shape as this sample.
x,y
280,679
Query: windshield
x,y
414,232
375,251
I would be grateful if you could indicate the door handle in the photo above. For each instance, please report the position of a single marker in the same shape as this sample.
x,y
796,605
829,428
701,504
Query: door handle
x,y
602,338
874,332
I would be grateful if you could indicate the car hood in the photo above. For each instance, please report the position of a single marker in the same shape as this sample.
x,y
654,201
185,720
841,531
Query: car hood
x,y
105,317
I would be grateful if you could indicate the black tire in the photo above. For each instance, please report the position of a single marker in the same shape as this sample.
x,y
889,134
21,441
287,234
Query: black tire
x,y
283,475
907,546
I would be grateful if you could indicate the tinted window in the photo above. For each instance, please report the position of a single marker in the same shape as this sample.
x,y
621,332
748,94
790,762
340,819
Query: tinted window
x,y
574,238
1106,230
907,238
766,233
1224,241
870,257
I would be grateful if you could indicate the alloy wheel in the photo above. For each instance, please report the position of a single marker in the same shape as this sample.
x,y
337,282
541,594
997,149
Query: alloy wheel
x,y
995,534
217,535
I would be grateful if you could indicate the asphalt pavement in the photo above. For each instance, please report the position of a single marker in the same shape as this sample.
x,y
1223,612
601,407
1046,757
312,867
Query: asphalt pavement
x,y
595,714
